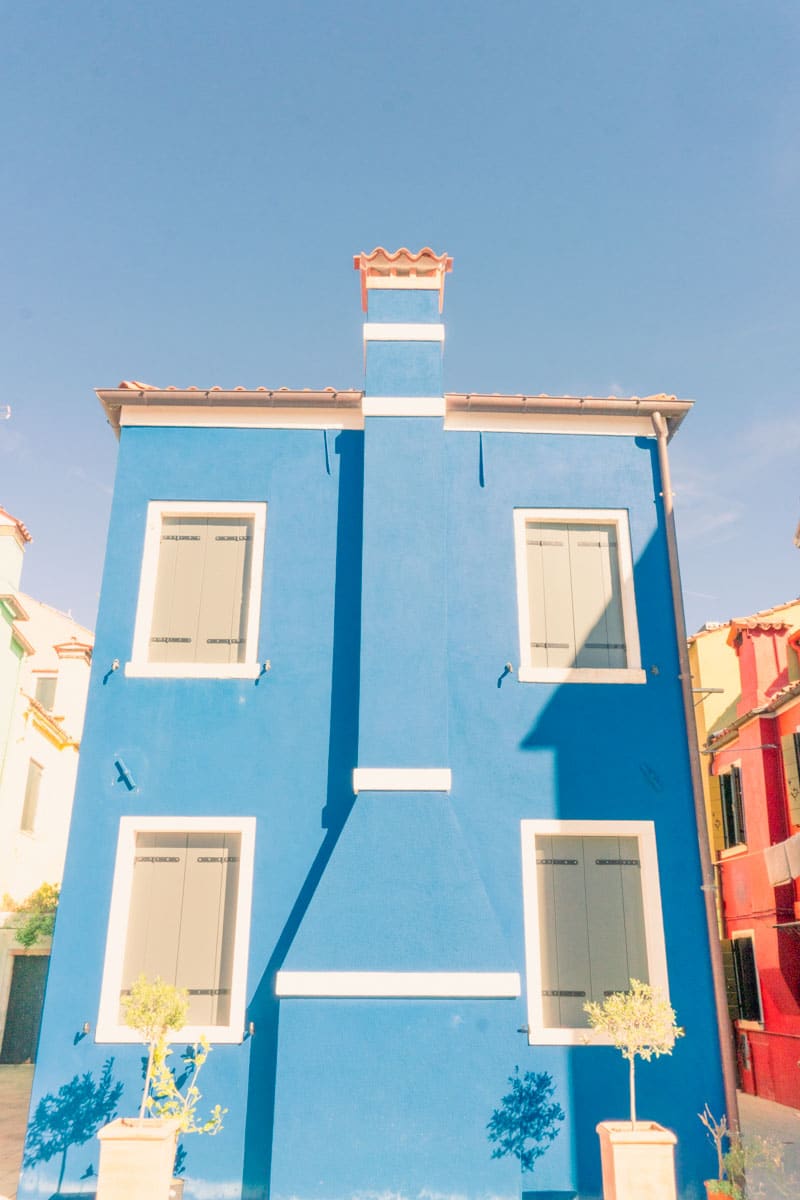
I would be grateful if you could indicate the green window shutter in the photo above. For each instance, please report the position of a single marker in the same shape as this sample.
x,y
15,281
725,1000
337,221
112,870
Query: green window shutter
x,y
738,805
790,747
730,788
30,804
731,994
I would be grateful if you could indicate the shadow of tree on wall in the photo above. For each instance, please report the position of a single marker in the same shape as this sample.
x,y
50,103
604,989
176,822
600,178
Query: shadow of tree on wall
x,y
70,1117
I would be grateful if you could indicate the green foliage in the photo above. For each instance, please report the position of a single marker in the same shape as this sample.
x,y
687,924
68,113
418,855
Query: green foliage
x,y
168,1100
640,1023
155,1009
527,1120
746,1157
35,917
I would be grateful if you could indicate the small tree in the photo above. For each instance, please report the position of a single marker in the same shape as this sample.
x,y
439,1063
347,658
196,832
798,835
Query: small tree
x,y
527,1121
35,917
154,1008
641,1024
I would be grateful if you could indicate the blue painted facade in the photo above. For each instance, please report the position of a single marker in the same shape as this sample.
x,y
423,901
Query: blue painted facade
x,y
389,608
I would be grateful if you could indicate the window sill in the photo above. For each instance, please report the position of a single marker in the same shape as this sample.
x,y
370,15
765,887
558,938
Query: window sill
x,y
568,1037
214,1034
581,675
733,851
750,1026
147,670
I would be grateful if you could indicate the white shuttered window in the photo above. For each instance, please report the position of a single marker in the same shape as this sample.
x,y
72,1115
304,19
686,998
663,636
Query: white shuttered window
x,y
575,589
180,911
592,919
199,597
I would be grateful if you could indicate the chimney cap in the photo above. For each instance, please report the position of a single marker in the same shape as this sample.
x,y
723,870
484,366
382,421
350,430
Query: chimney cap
x,y
15,524
421,270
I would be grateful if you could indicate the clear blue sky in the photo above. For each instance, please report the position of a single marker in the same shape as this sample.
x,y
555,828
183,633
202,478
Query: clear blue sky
x,y
184,185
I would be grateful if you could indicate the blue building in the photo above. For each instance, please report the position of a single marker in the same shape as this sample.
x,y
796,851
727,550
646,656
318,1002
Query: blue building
x,y
385,761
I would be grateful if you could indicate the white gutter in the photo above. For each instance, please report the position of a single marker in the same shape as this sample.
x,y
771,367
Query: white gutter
x,y
709,885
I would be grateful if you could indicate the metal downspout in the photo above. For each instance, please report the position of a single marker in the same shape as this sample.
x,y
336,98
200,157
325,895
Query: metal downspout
x,y
709,885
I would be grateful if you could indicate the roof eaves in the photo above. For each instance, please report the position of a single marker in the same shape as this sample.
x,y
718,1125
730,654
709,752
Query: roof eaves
x,y
142,395
672,409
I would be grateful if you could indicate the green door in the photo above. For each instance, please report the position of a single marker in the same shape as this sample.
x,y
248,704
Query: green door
x,y
24,1008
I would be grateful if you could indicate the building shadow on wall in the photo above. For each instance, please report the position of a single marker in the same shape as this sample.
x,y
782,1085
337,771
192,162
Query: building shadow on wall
x,y
264,1009
614,745
70,1117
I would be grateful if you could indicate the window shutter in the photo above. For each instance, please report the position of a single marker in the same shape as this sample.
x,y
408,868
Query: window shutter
x,y
617,946
550,595
182,917
790,747
731,994
222,616
30,804
207,925
591,922
730,787
566,983
596,597
154,916
738,805
744,963
46,691
179,582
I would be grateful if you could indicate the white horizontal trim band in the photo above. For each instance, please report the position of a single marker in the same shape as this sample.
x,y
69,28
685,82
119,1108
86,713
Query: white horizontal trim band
x,y
402,779
394,331
417,985
191,670
200,417
609,425
581,675
403,406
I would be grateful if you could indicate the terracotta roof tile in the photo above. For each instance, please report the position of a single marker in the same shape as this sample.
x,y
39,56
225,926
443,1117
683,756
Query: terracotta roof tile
x,y
25,534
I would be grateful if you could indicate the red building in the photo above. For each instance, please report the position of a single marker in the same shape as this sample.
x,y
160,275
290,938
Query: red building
x,y
755,760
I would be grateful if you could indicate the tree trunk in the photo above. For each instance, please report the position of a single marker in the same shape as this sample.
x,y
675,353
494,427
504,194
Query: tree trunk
x,y
633,1093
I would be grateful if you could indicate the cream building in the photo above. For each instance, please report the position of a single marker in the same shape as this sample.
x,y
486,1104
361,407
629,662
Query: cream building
x,y
44,676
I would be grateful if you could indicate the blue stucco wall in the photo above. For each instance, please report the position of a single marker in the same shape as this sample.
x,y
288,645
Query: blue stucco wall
x,y
388,613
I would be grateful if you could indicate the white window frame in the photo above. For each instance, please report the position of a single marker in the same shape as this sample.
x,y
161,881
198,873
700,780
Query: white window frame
x,y
644,832
618,517
139,665
109,1028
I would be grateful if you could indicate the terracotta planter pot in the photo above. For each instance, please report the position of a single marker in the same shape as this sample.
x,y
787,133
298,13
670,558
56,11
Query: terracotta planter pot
x,y
137,1158
715,1189
639,1163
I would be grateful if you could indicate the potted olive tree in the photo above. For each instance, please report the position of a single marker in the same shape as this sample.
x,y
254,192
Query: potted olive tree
x,y
137,1154
641,1024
